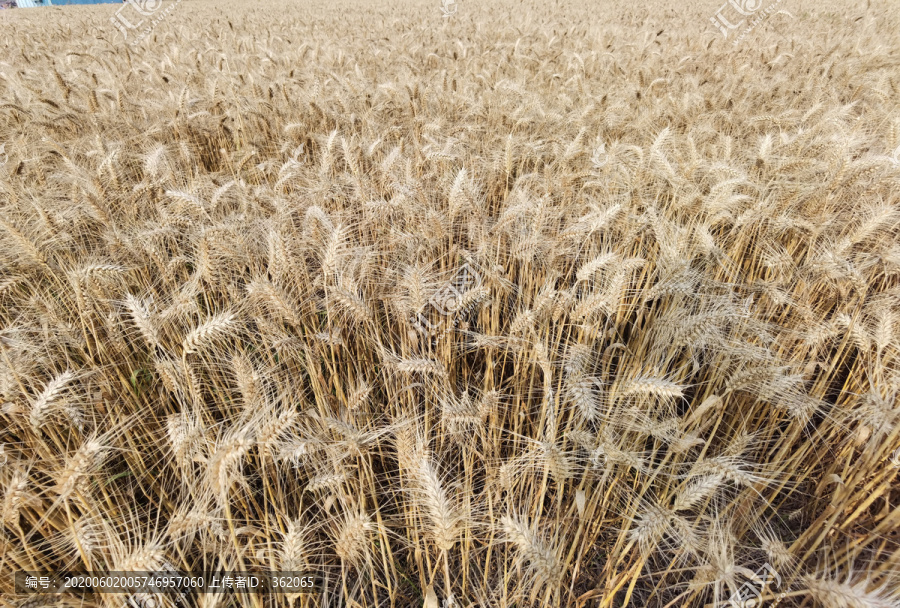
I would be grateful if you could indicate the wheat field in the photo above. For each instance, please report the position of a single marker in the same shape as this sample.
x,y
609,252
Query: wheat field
x,y
532,304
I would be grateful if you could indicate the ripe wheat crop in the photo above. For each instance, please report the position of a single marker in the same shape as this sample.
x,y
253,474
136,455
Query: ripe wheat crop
x,y
522,304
